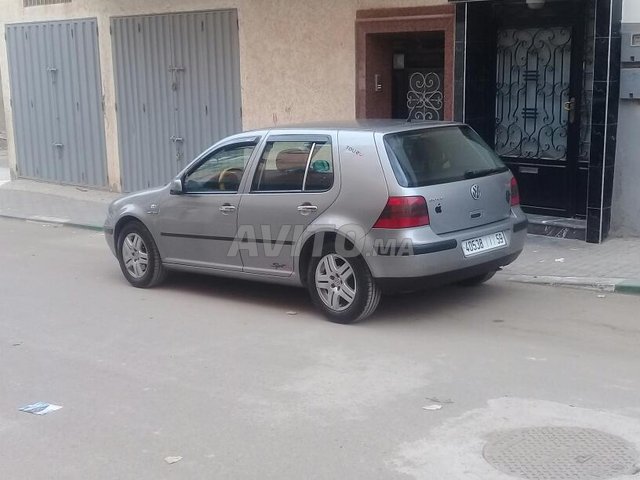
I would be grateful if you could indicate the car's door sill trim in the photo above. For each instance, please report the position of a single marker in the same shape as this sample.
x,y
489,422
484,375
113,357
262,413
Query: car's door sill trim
x,y
199,237
172,264
226,239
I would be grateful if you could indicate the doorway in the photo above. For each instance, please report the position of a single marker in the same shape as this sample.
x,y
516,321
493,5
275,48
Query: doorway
x,y
56,91
418,76
404,63
538,96
523,92
177,79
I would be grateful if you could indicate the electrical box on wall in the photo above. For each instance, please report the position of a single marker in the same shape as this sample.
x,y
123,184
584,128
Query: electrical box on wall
x,y
630,42
630,57
630,83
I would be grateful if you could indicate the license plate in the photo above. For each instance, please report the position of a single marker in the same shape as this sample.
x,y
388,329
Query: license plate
x,y
478,245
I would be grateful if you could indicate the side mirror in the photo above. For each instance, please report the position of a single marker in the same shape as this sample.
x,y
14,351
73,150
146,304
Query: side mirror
x,y
176,187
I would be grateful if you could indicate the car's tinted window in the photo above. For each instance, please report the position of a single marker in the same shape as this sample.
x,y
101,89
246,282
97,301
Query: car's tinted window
x,y
294,166
221,171
440,155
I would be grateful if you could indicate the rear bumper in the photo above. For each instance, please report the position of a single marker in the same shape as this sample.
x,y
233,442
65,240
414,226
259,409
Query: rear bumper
x,y
438,259
391,284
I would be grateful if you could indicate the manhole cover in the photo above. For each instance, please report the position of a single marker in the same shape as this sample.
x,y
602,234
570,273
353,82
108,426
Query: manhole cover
x,y
558,453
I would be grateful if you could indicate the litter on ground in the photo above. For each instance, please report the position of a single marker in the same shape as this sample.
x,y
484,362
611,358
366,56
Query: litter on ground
x,y
40,408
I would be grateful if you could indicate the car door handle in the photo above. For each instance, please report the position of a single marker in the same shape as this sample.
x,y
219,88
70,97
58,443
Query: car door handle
x,y
307,208
227,208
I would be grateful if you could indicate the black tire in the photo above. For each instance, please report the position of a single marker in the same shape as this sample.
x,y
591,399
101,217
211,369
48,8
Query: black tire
x,y
367,293
477,280
154,273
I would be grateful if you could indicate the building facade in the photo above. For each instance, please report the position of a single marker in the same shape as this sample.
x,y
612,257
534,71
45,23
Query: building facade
x,y
120,95
625,205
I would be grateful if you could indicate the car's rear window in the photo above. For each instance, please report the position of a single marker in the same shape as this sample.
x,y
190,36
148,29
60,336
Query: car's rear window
x,y
440,155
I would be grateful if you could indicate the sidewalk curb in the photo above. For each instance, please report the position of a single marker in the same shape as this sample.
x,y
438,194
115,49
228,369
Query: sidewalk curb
x,y
617,285
54,221
630,287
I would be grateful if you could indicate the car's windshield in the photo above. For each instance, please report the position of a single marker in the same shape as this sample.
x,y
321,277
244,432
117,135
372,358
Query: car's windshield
x,y
440,155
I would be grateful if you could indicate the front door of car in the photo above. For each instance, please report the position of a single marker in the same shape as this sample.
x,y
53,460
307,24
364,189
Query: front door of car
x,y
198,225
294,181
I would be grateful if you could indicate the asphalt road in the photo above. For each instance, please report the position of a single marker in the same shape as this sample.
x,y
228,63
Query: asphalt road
x,y
217,372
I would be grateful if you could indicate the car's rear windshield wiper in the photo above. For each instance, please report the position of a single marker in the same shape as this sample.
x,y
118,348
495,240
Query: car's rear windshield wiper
x,y
484,172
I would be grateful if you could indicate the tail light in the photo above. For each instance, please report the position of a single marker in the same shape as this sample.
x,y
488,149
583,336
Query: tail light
x,y
404,212
515,193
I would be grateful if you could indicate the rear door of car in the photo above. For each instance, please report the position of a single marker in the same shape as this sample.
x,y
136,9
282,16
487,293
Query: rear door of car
x,y
293,182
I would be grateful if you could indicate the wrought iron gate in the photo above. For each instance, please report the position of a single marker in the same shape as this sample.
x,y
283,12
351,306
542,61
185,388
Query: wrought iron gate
x,y
533,107
538,84
425,97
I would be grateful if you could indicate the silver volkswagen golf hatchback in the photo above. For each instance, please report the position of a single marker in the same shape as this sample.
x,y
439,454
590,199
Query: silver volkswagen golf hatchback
x,y
348,211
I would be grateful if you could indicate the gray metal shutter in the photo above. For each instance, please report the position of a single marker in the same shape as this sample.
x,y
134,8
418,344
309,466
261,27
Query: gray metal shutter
x,y
145,99
178,90
56,93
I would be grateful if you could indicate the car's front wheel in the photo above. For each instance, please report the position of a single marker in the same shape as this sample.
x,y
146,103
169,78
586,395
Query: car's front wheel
x,y
342,287
139,256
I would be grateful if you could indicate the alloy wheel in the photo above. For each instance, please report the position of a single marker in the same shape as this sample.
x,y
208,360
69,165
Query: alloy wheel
x,y
335,282
135,255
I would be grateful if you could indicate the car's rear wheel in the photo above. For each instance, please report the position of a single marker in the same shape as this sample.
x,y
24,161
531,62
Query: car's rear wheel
x,y
477,280
342,287
139,256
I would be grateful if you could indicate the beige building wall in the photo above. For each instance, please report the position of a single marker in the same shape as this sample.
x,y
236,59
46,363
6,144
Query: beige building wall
x,y
297,57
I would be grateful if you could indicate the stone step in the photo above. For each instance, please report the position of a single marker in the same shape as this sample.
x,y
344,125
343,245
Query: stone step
x,y
558,227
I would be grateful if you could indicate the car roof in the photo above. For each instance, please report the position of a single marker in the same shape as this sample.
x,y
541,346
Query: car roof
x,y
377,126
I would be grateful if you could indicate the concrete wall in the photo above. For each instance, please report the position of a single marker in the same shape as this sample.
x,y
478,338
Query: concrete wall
x,y
631,11
3,123
625,214
297,57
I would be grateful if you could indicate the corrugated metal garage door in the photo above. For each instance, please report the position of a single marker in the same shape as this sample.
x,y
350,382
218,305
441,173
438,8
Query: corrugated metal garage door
x,y
56,98
178,90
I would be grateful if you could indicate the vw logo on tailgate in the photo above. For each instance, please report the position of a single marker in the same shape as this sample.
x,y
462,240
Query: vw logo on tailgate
x,y
475,191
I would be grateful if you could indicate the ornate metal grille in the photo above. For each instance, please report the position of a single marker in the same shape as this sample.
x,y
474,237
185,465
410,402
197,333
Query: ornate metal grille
x,y
425,98
533,71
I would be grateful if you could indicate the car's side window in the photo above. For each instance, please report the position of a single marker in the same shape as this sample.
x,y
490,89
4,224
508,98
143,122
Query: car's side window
x,y
221,171
295,166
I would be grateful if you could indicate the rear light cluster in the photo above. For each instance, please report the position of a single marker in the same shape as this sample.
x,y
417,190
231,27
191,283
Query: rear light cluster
x,y
404,212
515,193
